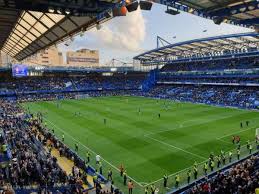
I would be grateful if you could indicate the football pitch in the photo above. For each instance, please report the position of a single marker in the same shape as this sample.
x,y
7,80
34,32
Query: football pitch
x,y
135,136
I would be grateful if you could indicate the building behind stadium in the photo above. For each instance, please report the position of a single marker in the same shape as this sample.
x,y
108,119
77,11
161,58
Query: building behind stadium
x,y
53,57
5,59
83,58
47,57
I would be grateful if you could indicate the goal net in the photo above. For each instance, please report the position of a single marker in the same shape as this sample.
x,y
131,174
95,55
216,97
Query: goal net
x,y
81,96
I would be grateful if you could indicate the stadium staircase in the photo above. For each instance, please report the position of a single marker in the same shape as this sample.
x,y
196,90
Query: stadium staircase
x,y
150,81
73,84
5,157
67,165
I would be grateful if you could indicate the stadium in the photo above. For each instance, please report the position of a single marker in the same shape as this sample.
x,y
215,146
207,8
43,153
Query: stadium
x,y
180,118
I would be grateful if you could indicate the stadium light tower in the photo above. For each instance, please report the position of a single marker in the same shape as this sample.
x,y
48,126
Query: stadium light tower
x,y
145,5
133,5
98,26
218,20
172,11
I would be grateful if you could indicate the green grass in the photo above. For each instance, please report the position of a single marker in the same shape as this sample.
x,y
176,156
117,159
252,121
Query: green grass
x,y
148,146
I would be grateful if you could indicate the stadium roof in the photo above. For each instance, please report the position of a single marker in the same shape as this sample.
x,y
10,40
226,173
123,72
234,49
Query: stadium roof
x,y
238,12
23,33
47,22
213,46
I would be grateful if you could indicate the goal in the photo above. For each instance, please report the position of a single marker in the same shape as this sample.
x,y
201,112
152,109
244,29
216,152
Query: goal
x,y
82,96
257,133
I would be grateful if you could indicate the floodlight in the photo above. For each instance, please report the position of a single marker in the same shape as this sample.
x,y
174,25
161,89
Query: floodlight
x,y
217,20
242,9
59,11
172,11
51,10
132,6
145,5
233,12
98,26
67,11
251,7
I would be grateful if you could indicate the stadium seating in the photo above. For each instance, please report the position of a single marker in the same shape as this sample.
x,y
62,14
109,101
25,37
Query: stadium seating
x,y
210,79
26,147
68,83
244,97
241,178
215,82
32,168
220,64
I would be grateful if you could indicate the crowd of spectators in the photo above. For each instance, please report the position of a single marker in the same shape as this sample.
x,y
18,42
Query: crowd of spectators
x,y
237,96
202,89
31,165
75,95
242,178
210,87
113,82
220,64
33,83
210,91
210,79
69,83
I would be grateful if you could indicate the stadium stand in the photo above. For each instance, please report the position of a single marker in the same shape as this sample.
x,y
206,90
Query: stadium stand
x,y
28,142
240,178
227,82
223,80
30,166
31,156
54,86
219,70
216,64
243,97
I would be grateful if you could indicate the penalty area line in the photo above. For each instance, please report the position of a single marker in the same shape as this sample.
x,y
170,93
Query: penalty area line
x,y
158,180
90,149
223,141
240,131
169,145
181,125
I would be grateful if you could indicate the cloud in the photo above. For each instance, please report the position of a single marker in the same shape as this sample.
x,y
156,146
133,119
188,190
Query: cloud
x,y
120,36
124,33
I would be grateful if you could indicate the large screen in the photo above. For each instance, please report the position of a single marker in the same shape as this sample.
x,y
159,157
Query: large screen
x,y
19,70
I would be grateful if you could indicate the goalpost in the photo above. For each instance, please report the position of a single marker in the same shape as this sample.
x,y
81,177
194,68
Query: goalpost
x,y
81,96
257,133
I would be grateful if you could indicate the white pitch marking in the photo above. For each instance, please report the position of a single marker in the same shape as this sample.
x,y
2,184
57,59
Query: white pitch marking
x,y
208,121
174,173
90,149
235,132
184,169
175,147
223,141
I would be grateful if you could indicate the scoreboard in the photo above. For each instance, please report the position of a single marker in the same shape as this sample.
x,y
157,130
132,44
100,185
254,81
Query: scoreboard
x,y
19,70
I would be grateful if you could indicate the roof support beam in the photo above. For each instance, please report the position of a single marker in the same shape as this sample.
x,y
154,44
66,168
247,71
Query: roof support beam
x,y
56,23
39,20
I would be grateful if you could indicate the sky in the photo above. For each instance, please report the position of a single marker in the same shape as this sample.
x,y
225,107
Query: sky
x,y
124,37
